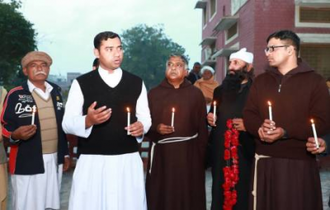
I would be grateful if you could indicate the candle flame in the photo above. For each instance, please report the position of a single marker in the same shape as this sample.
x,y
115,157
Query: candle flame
x,y
312,121
127,109
173,109
214,103
269,103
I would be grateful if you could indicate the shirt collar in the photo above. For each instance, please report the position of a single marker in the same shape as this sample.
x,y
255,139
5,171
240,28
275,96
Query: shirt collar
x,y
31,86
105,73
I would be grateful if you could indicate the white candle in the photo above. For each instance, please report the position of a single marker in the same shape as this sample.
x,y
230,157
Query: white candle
x,y
214,110
34,109
172,120
270,111
128,120
315,134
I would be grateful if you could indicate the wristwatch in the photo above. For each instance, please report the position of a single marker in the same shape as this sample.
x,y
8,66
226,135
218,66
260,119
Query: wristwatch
x,y
13,141
285,135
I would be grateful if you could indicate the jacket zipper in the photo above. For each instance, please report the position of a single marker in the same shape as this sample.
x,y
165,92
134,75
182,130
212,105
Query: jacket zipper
x,y
279,88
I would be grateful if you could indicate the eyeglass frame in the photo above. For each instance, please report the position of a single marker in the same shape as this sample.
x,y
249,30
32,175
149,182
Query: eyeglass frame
x,y
271,49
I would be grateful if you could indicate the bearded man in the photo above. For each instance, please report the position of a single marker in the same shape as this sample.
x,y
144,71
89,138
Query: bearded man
x,y
231,97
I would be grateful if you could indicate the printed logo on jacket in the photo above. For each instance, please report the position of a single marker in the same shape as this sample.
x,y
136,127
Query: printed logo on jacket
x,y
23,108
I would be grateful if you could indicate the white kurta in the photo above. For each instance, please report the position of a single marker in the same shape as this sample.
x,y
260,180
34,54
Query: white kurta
x,y
40,191
106,182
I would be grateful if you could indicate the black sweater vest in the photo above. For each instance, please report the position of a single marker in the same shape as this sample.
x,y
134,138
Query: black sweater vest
x,y
110,137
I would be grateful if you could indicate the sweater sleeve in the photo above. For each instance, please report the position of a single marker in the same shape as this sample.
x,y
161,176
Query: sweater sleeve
x,y
320,108
251,114
202,130
74,120
142,109
8,116
217,96
152,134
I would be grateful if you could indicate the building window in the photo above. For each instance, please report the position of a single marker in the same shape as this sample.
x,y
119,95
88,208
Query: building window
x,y
212,46
213,8
317,56
204,17
231,33
236,5
209,59
312,16
225,63
208,52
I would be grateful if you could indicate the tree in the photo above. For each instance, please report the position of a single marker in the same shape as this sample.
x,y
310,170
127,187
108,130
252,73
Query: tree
x,y
17,38
146,50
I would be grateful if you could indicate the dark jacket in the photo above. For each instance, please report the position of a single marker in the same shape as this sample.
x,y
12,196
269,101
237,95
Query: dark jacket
x,y
193,77
296,98
25,157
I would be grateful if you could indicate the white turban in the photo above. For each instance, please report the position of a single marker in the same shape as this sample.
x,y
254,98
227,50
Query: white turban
x,y
243,55
207,68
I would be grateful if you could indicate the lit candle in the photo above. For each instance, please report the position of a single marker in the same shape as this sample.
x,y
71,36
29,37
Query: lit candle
x,y
270,111
214,110
34,109
128,120
315,134
172,120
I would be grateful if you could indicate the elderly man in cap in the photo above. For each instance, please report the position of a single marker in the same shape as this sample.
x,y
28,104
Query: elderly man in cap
x,y
230,98
31,118
207,84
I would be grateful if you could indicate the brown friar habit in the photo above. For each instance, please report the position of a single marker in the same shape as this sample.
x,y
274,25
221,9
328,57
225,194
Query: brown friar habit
x,y
287,176
176,180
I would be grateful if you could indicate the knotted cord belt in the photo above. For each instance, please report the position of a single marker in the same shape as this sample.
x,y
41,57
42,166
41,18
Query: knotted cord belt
x,y
168,141
254,192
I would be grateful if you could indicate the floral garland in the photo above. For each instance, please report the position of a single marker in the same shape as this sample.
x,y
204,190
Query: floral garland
x,y
230,171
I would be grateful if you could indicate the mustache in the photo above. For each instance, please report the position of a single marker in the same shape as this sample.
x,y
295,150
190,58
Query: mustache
x,y
241,73
231,71
39,72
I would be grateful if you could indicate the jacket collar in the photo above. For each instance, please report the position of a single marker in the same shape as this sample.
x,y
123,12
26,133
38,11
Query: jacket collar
x,y
166,84
301,68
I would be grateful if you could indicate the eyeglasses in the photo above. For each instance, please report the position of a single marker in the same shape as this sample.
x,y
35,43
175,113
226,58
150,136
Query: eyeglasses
x,y
272,48
176,65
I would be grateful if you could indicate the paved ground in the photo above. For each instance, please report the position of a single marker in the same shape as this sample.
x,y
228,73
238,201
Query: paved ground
x,y
325,181
67,177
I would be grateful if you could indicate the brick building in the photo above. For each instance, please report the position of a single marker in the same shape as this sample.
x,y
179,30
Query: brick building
x,y
229,25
